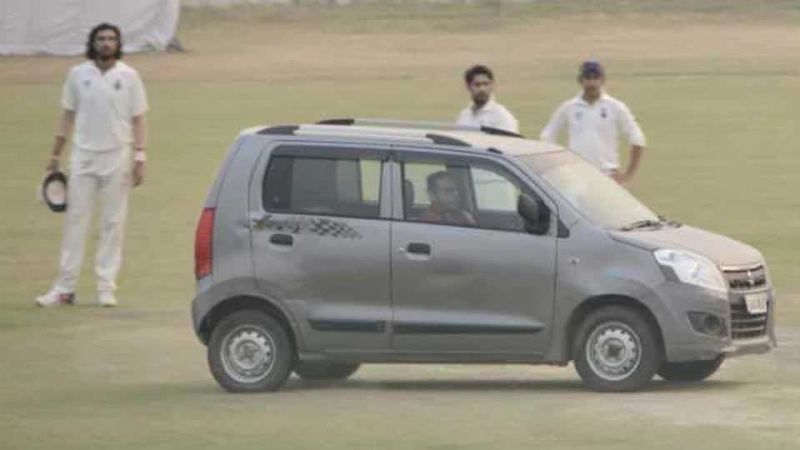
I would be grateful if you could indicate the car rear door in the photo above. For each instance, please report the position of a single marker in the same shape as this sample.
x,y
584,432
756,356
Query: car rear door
x,y
320,239
486,287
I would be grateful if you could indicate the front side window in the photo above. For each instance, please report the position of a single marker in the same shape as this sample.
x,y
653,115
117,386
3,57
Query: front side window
x,y
494,192
461,193
323,185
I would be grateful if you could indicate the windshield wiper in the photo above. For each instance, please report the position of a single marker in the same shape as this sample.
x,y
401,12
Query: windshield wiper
x,y
639,224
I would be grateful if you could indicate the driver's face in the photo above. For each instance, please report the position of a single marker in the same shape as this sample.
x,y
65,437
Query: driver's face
x,y
446,193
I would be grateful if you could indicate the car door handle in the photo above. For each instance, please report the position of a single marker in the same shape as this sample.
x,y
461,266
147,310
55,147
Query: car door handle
x,y
419,248
282,239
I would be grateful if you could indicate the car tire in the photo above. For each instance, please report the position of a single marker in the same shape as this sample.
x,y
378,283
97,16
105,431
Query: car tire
x,y
249,351
690,371
616,349
319,370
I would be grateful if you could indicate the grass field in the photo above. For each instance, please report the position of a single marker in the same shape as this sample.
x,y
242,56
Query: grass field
x,y
714,84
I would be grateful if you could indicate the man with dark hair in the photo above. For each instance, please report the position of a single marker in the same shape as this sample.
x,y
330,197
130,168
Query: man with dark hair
x,y
104,101
445,199
484,110
594,121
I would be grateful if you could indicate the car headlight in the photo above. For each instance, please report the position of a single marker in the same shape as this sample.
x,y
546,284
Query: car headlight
x,y
691,268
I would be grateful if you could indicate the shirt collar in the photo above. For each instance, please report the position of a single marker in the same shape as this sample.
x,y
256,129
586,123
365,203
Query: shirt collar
x,y
117,65
603,97
488,106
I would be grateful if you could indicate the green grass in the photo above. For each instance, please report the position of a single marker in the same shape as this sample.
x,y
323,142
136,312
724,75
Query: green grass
x,y
723,155
136,376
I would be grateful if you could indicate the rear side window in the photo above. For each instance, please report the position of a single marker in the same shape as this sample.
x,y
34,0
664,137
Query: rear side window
x,y
323,185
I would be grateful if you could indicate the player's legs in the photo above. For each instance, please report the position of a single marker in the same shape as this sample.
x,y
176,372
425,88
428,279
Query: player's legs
x,y
81,192
115,184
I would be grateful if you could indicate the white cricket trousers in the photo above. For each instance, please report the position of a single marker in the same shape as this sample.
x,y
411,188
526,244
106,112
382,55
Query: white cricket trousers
x,y
103,176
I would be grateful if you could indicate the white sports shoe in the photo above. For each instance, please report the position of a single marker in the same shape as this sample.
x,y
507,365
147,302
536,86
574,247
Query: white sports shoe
x,y
106,298
54,298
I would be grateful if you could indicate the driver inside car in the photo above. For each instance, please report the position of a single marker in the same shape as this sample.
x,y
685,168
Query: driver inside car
x,y
445,199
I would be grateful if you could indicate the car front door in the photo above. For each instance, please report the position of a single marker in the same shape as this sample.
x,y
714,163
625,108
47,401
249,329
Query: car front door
x,y
320,236
466,275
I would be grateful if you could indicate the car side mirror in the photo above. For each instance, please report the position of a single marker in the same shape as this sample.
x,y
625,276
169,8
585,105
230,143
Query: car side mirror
x,y
535,214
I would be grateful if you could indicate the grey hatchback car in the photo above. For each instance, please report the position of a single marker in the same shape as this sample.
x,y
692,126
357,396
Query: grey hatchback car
x,y
325,246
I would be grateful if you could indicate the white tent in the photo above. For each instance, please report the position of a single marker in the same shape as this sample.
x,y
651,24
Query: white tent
x,y
60,27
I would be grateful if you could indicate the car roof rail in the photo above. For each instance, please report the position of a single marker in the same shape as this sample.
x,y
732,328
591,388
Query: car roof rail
x,y
445,126
440,139
500,132
327,129
283,130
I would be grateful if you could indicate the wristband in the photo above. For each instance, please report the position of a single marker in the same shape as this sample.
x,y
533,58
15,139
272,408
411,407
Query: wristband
x,y
139,156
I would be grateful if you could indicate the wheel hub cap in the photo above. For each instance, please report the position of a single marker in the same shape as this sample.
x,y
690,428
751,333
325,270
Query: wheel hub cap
x,y
248,354
614,351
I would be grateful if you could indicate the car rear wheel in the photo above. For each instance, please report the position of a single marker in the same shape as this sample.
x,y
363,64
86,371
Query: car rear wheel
x,y
690,371
616,349
249,351
324,370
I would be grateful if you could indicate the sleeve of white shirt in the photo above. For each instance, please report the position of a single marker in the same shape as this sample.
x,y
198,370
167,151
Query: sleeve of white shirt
x,y
630,127
69,96
555,125
138,97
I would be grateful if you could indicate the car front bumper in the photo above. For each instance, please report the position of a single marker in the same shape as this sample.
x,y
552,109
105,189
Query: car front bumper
x,y
682,342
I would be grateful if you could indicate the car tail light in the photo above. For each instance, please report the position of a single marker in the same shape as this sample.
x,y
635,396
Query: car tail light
x,y
203,241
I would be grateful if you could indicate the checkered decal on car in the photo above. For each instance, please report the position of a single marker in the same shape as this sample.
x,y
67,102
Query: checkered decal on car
x,y
300,225
332,228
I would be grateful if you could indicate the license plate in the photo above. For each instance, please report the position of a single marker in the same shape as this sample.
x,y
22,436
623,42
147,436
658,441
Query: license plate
x,y
756,303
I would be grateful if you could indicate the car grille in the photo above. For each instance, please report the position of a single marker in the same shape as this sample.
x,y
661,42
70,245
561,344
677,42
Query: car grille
x,y
745,279
745,325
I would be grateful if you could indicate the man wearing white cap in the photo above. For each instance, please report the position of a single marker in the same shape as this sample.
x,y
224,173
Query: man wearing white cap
x,y
104,101
595,120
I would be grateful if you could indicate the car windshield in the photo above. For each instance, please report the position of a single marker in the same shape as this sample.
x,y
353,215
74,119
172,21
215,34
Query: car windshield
x,y
596,196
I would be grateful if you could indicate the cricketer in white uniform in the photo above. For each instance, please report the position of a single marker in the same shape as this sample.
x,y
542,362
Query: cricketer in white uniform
x,y
484,110
104,101
594,121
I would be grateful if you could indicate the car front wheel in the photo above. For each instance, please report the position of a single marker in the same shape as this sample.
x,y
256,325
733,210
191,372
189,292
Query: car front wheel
x,y
616,349
249,351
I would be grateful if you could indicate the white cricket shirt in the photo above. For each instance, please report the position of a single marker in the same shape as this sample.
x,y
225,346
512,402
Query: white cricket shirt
x,y
492,114
104,104
594,129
